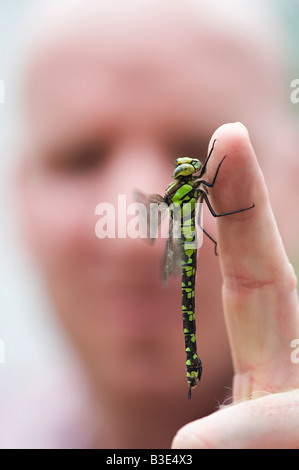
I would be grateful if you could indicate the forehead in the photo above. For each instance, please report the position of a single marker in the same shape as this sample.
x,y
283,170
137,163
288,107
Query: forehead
x,y
153,71
123,77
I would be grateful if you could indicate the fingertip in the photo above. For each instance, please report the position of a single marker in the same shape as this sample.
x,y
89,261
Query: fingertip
x,y
244,129
235,130
240,178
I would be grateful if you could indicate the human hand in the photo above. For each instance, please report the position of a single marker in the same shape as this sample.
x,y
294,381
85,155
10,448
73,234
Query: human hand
x,y
260,307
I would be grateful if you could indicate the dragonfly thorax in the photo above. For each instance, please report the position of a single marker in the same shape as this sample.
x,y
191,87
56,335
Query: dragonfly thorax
x,y
186,166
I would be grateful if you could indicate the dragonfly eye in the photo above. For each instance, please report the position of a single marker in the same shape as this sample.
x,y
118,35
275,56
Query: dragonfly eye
x,y
184,169
186,166
196,164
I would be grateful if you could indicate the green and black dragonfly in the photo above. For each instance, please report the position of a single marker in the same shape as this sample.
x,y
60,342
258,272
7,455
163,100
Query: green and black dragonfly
x,y
181,198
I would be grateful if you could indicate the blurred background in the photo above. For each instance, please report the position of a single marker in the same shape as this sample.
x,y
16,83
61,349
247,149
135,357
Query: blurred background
x,y
27,328
33,345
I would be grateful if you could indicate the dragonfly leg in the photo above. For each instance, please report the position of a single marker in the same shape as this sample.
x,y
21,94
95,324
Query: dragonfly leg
x,y
204,168
205,197
205,232
209,236
210,185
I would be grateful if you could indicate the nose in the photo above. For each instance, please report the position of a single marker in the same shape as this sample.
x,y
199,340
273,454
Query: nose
x,y
147,170
143,168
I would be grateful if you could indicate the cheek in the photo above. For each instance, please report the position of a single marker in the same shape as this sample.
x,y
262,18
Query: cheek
x,y
57,221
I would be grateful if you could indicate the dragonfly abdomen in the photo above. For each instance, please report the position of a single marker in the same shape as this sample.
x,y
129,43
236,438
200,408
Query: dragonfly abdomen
x,y
189,260
184,199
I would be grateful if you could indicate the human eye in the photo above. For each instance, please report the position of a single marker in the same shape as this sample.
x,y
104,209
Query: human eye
x,y
189,146
76,159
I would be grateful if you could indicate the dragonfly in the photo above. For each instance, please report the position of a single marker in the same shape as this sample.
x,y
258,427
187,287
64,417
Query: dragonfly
x,y
181,199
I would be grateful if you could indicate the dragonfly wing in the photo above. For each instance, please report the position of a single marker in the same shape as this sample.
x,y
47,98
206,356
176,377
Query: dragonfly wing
x,y
155,212
172,257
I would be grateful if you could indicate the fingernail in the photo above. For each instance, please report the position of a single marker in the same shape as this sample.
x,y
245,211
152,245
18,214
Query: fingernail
x,y
244,129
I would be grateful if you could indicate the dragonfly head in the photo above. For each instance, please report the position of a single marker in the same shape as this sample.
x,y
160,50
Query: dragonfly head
x,y
186,167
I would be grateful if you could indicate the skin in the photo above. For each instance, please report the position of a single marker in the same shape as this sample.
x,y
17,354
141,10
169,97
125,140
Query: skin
x,y
262,316
107,293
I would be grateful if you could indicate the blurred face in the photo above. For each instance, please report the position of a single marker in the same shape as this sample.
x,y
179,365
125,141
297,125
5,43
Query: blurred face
x,y
109,112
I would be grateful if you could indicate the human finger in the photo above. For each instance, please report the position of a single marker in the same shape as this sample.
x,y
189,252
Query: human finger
x,y
259,285
269,422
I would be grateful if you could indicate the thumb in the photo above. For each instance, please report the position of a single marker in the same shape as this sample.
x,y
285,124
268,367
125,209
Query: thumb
x,y
270,422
